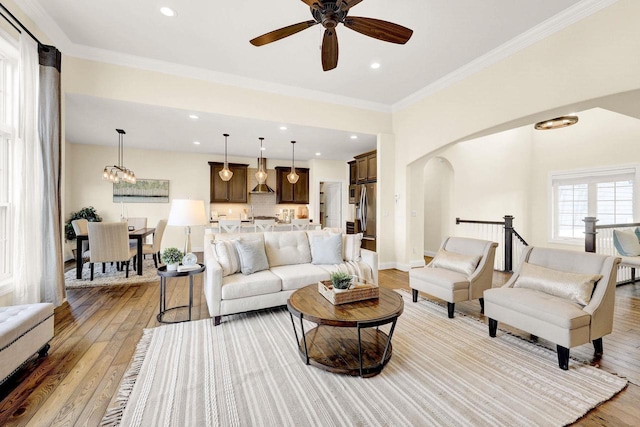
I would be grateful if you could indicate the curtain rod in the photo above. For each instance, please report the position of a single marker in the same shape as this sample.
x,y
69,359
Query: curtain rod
x,y
19,23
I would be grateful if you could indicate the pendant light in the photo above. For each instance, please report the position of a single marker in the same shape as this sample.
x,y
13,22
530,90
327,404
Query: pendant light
x,y
225,173
261,175
117,173
293,177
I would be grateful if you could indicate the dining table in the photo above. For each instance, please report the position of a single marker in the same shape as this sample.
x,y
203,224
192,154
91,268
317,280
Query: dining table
x,y
137,235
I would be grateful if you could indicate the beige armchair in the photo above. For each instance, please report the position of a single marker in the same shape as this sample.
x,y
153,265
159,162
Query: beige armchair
x,y
461,271
109,242
566,297
154,248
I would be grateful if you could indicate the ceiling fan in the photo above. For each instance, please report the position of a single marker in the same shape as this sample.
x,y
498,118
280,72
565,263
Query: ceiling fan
x,y
330,13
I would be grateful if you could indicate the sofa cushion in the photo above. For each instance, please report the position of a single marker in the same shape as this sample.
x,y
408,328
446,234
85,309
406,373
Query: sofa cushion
x,y
227,256
446,279
539,305
252,255
287,248
575,287
326,249
299,276
242,286
626,242
464,264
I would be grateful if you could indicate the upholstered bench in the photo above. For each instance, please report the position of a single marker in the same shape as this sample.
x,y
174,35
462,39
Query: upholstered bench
x,y
24,330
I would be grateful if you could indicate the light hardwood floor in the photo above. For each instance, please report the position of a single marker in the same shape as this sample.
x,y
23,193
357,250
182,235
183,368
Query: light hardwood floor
x,y
97,330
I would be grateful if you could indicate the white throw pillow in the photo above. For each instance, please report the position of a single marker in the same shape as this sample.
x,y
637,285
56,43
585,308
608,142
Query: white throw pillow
x,y
227,256
626,242
464,264
575,287
351,247
326,249
252,256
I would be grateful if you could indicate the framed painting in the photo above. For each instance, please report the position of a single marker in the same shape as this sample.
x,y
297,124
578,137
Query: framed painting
x,y
143,191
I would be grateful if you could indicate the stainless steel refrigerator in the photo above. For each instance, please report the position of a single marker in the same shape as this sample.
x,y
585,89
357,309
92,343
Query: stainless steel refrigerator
x,y
366,215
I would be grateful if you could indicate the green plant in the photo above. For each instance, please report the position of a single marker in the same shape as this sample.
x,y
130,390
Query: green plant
x,y
89,214
171,256
340,280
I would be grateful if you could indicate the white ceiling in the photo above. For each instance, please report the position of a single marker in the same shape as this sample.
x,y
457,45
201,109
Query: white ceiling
x,y
212,39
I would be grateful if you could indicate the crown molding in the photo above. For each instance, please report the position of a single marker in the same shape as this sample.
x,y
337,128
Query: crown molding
x,y
556,23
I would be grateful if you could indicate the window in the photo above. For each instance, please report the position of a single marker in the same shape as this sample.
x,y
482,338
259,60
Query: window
x,y
8,126
607,194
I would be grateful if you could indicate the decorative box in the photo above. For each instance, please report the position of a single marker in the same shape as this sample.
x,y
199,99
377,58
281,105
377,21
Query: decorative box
x,y
357,292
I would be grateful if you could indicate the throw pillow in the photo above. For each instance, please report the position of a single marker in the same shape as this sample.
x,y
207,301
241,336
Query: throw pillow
x,y
626,242
464,264
576,287
326,249
252,255
227,256
351,247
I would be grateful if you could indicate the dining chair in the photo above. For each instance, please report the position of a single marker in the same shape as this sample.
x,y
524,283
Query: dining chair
x,y
137,222
300,224
264,224
80,227
229,225
154,248
109,242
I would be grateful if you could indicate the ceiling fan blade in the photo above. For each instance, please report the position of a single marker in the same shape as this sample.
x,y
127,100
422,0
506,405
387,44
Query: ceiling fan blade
x,y
378,29
281,33
346,4
329,49
311,3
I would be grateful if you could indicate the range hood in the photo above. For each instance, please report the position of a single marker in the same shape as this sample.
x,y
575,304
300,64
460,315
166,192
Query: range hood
x,y
262,188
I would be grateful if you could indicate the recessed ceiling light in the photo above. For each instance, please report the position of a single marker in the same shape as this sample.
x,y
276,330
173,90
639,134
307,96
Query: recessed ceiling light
x,y
375,65
354,136
283,128
167,11
193,116
196,142
318,154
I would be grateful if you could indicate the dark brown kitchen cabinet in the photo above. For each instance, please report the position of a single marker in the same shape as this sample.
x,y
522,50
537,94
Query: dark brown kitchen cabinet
x,y
232,191
367,167
353,172
286,192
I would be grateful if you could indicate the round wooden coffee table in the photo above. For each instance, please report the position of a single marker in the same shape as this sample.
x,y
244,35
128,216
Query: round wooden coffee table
x,y
348,339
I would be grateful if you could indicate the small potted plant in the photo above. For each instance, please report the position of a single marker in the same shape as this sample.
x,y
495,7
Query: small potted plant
x,y
171,257
340,281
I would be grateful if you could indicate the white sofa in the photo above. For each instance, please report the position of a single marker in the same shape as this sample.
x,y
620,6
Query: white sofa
x,y
294,261
24,330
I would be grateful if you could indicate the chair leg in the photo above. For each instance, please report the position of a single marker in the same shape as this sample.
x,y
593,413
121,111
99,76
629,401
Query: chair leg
x,y
91,269
216,320
414,292
481,305
563,357
155,260
597,346
104,264
450,307
127,274
493,328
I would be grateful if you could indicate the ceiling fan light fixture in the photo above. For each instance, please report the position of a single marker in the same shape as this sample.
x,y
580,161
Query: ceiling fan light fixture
x,y
225,174
557,123
261,175
292,176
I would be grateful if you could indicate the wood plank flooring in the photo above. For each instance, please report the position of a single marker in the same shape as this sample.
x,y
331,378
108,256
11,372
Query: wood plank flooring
x,y
97,330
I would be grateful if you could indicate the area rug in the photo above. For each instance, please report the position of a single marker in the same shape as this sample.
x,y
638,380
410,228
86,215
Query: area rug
x,y
443,372
111,276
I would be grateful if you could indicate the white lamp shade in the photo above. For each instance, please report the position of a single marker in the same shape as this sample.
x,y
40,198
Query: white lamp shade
x,y
185,212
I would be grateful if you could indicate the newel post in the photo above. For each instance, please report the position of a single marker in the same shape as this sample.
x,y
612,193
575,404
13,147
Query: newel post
x,y
508,243
590,233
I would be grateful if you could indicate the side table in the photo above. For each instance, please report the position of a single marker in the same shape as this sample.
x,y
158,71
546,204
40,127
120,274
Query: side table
x,y
164,274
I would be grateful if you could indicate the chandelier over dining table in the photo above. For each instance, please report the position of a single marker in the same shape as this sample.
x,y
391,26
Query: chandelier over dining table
x,y
117,173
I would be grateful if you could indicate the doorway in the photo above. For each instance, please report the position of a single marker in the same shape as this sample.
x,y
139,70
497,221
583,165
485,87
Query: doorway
x,y
331,204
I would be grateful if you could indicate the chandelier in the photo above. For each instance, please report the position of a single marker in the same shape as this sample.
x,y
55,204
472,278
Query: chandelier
x,y
117,173
261,175
293,177
225,173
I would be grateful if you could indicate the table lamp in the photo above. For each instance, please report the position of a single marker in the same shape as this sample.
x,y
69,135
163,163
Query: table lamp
x,y
187,213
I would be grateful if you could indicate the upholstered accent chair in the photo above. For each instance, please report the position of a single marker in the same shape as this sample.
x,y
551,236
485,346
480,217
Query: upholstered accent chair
x,y
80,227
109,242
566,297
154,248
461,271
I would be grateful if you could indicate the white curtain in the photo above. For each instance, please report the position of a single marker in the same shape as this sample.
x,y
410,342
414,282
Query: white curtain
x,y
27,191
